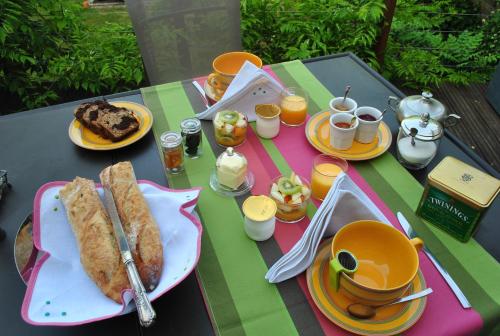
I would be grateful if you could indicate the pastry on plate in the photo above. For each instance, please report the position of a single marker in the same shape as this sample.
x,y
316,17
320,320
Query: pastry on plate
x,y
109,121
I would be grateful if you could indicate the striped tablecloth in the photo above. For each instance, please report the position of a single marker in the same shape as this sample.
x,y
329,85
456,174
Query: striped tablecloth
x,y
232,267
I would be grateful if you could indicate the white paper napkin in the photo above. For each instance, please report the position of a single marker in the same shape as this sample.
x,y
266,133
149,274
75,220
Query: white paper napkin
x,y
250,87
60,292
344,203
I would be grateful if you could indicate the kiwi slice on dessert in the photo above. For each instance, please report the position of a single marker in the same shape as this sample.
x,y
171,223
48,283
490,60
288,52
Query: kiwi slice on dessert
x,y
288,187
230,117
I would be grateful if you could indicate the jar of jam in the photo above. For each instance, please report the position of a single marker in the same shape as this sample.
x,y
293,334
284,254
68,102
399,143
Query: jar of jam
x,y
191,136
173,153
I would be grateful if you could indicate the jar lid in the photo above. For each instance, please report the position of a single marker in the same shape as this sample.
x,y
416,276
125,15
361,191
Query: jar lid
x,y
419,104
190,125
170,139
465,182
267,111
426,129
259,208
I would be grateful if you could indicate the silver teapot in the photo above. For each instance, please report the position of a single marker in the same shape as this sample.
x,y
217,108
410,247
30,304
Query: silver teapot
x,y
418,105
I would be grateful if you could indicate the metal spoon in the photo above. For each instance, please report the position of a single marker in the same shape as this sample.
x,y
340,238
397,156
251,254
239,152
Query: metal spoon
x,y
347,89
362,311
202,93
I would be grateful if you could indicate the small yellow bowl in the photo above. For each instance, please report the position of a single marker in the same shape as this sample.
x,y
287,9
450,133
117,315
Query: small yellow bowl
x,y
387,261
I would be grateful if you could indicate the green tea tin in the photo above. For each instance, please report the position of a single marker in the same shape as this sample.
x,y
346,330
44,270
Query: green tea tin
x,y
455,197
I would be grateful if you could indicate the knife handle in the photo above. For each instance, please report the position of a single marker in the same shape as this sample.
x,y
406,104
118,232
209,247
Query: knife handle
x,y
145,310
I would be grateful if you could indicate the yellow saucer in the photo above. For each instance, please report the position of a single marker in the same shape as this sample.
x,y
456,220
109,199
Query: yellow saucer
x,y
388,321
318,135
83,137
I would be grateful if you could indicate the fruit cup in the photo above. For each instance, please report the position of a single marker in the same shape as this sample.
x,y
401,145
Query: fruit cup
x,y
230,128
291,195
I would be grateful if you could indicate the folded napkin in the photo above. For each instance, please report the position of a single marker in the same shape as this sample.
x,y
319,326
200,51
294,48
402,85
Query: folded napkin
x,y
59,291
344,203
250,87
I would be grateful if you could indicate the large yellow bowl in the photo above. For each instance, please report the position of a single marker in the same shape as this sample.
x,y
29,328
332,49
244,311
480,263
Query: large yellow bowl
x,y
387,261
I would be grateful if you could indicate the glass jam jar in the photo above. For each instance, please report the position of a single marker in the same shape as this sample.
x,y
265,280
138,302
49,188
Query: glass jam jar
x,y
191,137
173,153
418,141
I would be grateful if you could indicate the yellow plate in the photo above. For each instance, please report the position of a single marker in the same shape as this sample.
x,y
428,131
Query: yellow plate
x,y
318,135
83,137
388,321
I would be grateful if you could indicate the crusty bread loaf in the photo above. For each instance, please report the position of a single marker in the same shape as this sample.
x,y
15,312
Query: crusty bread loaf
x,y
139,225
109,121
99,253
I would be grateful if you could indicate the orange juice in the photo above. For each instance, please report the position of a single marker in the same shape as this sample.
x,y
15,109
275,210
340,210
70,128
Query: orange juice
x,y
322,178
293,110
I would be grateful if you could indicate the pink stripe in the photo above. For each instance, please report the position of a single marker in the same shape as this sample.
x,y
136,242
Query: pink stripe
x,y
442,305
37,242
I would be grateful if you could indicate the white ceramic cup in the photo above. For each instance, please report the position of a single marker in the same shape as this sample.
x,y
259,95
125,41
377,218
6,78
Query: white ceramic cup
x,y
349,103
367,130
342,138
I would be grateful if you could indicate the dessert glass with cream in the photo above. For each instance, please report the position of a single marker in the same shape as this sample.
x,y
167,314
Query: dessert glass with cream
x,y
231,169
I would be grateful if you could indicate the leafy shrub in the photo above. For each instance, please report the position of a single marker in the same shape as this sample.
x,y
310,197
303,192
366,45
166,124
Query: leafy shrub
x,y
46,52
428,45
289,29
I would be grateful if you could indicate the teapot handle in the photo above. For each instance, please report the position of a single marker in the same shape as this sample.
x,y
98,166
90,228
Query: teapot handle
x,y
392,99
451,120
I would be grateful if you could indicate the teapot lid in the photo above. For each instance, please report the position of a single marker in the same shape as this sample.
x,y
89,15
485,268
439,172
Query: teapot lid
x,y
423,127
418,104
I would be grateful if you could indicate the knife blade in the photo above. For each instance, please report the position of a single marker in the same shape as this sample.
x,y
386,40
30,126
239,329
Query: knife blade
x,y
411,233
144,308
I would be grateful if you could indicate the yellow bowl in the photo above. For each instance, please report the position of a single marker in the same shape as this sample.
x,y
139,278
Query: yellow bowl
x,y
387,261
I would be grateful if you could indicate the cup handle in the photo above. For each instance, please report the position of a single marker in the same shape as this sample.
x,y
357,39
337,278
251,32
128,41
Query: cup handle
x,y
417,243
335,269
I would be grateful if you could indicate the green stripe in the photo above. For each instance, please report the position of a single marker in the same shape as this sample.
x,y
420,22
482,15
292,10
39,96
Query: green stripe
x,y
317,91
383,185
288,80
208,265
258,303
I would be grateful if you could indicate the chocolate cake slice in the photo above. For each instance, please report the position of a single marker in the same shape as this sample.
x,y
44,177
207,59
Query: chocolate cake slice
x,y
109,121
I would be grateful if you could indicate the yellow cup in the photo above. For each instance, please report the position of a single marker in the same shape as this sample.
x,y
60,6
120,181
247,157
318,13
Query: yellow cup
x,y
226,66
387,261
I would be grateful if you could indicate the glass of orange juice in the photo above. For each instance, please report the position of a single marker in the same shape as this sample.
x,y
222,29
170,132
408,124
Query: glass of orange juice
x,y
294,101
324,172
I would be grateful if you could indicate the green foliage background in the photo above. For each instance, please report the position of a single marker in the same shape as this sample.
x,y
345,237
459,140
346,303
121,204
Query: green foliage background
x,y
430,42
49,53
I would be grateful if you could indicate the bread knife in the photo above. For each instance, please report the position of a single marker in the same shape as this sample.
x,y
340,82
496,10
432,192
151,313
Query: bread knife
x,y
144,308
410,232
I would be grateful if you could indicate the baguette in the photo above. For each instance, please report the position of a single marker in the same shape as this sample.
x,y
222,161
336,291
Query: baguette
x,y
99,253
142,232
